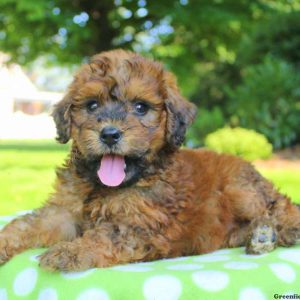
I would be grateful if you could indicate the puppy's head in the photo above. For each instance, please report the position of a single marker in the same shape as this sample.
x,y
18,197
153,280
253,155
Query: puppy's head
x,y
121,110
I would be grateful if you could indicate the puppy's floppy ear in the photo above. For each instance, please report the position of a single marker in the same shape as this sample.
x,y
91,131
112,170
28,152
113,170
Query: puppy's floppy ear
x,y
62,118
181,113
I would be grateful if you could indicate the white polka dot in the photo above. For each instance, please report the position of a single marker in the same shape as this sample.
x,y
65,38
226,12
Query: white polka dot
x,y
211,258
132,268
147,263
162,287
222,251
25,282
175,259
284,272
93,294
241,265
3,294
7,218
75,275
48,294
253,256
185,267
212,281
291,255
251,294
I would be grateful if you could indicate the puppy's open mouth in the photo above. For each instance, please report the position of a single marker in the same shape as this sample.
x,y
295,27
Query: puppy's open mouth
x,y
112,170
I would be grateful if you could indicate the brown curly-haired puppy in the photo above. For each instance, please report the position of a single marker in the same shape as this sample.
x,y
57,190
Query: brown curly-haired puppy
x,y
127,193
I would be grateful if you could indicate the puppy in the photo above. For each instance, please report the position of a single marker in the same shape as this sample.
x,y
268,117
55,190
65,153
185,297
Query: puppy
x,y
127,193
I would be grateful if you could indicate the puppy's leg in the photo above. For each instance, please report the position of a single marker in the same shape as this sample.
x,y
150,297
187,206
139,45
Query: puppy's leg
x,y
238,236
264,217
287,216
44,227
107,245
280,227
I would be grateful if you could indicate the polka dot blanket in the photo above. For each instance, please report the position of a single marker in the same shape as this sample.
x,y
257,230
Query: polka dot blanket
x,y
223,274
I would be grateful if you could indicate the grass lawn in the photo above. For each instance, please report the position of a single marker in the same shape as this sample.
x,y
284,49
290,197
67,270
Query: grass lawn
x,y
287,181
27,174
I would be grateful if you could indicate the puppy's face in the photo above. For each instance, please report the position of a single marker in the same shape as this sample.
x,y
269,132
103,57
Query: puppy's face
x,y
120,111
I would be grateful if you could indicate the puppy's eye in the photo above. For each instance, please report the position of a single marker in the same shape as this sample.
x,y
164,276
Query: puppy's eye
x,y
92,105
141,108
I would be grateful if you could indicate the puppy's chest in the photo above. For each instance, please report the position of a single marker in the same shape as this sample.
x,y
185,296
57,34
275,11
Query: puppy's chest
x,y
132,206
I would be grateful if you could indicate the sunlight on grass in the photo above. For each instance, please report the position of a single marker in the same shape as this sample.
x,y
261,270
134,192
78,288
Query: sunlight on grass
x,y
287,181
27,173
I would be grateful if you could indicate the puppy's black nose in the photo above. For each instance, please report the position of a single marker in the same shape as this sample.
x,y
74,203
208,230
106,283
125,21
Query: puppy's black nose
x,y
110,135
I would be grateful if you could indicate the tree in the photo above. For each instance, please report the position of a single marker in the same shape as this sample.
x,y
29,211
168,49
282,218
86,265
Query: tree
x,y
208,44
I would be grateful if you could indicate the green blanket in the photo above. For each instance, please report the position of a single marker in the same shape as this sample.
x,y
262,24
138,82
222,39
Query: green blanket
x,y
224,274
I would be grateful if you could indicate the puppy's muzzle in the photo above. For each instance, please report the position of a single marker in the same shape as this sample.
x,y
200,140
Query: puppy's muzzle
x,y
110,135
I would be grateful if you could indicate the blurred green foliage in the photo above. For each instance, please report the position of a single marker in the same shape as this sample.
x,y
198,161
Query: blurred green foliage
x,y
278,35
206,121
267,100
242,142
228,55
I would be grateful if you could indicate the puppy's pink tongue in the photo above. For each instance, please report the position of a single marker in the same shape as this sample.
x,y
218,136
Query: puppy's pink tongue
x,y
111,171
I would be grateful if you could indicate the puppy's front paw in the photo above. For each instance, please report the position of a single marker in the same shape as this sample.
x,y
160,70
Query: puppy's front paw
x,y
66,256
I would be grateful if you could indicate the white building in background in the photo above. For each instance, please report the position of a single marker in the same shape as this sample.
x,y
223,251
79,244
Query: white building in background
x,y
24,110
